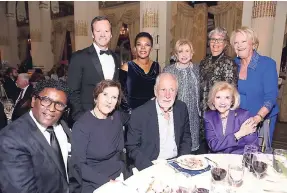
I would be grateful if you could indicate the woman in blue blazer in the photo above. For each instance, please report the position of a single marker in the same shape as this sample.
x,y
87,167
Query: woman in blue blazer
x,y
258,81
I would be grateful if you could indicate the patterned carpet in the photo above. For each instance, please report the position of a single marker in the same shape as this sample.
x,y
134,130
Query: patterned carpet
x,y
280,136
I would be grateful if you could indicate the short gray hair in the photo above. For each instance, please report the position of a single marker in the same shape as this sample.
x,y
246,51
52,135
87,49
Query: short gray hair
x,y
219,30
24,76
165,74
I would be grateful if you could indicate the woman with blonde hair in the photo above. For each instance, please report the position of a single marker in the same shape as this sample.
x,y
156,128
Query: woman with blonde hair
x,y
187,74
257,84
228,128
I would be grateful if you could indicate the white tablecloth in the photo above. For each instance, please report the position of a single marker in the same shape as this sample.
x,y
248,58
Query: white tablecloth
x,y
166,173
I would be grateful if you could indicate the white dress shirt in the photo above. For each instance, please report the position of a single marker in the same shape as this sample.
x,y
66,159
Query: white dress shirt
x,y
168,148
107,62
60,135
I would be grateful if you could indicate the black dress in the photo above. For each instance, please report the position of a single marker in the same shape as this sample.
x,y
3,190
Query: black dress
x,y
138,86
97,149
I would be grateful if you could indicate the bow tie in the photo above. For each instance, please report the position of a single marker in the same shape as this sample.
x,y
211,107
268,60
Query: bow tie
x,y
108,52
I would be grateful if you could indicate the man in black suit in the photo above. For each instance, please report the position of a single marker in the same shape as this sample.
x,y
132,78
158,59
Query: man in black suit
x,y
9,84
159,129
34,148
90,66
23,102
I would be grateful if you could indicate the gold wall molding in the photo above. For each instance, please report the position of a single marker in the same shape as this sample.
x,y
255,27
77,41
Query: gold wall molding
x,y
4,41
264,9
81,28
44,4
150,18
35,35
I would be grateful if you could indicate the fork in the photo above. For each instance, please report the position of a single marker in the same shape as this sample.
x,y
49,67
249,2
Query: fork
x,y
216,164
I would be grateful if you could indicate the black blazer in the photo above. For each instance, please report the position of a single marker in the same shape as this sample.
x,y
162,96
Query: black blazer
x,y
3,118
143,133
28,164
23,105
11,89
84,73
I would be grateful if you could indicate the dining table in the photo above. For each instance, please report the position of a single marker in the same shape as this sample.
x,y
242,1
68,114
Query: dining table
x,y
272,182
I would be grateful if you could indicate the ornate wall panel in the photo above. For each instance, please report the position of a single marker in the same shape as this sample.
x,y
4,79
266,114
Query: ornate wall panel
x,y
190,23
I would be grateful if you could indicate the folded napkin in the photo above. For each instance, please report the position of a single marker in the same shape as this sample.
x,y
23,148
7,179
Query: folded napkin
x,y
190,172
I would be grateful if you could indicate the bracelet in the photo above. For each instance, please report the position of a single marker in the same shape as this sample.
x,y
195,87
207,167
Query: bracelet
x,y
261,117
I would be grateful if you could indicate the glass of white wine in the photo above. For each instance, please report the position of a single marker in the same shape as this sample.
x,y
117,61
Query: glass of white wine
x,y
280,161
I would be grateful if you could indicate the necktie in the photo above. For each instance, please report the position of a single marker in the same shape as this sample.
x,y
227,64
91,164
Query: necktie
x,y
56,147
108,52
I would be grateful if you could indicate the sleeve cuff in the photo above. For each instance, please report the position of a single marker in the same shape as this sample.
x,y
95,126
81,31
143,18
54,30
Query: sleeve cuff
x,y
268,105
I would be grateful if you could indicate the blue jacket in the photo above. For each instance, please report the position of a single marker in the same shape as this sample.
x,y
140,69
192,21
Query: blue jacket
x,y
261,86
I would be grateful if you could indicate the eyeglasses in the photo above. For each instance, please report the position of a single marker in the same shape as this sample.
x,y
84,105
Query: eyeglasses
x,y
46,102
214,40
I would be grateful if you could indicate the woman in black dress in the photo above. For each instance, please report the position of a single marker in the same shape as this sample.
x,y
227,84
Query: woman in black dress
x,y
98,139
214,68
138,76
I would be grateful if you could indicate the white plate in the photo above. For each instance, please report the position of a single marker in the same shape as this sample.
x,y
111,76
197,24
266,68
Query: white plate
x,y
182,161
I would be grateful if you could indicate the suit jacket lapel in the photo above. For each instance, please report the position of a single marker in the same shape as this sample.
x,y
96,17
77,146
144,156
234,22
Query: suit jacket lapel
x,y
96,61
218,124
176,119
154,124
38,135
117,66
26,96
66,130
230,122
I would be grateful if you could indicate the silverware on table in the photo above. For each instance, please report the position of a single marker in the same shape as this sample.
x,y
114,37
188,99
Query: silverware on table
x,y
274,191
216,164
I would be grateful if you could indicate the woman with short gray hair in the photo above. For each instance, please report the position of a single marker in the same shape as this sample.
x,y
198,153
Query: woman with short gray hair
x,y
215,67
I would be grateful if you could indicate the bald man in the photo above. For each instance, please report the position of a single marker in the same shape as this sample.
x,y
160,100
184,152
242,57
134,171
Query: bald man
x,y
159,129
23,102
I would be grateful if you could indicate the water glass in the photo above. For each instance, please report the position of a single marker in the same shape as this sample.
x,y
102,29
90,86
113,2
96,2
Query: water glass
x,y
280,161
235,175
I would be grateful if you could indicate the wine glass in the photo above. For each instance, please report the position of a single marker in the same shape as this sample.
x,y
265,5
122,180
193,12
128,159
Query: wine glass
x,y
217,181
249,150
235,174
259,164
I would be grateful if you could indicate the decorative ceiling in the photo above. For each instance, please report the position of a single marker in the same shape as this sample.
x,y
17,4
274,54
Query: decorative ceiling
x,y
107,4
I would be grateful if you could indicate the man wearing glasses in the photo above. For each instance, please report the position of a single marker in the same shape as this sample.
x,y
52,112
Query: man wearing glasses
x,y
34,148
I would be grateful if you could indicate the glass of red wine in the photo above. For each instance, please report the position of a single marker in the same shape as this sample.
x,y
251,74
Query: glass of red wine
x,y
259,164
218,179
249,150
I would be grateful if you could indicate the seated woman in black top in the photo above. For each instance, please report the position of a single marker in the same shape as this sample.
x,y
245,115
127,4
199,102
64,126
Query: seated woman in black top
x,y
98,139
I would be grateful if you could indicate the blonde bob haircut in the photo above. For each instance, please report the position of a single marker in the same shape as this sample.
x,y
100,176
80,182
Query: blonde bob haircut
x,y
182,42
250,33
220,86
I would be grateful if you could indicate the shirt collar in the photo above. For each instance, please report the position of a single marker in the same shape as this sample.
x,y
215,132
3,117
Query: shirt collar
x,y
98,49
42,129
253,62
24,89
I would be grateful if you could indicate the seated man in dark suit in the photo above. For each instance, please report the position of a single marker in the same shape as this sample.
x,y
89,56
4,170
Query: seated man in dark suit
x,y
159,129
34,148
23,102
3,118
12,91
